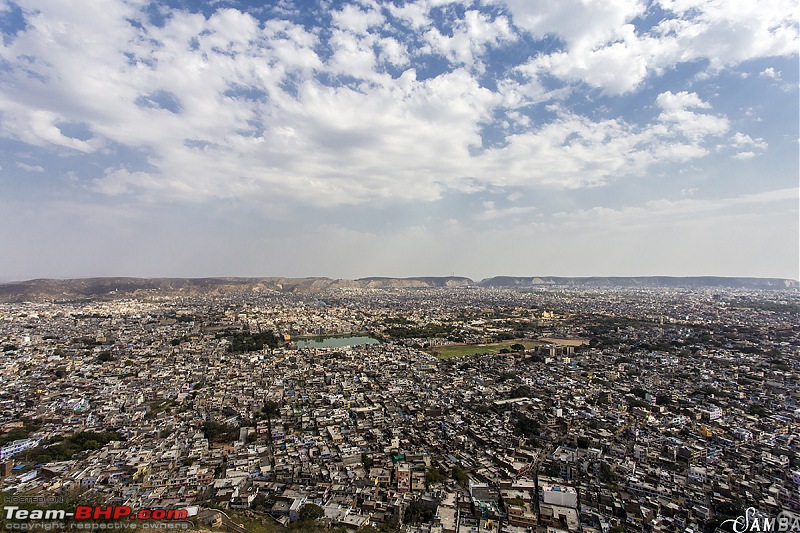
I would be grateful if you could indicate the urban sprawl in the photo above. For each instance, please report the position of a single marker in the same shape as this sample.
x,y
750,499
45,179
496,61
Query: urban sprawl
x,y
472,409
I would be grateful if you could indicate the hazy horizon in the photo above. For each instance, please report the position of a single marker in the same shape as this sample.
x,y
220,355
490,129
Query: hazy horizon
x,y
353,139
472,278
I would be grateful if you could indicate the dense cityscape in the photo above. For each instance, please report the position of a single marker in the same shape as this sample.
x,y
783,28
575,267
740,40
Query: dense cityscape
x,y
440,410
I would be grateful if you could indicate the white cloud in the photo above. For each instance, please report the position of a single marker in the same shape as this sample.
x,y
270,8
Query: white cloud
x,y
393,52
236,108
353,55
117,181
573,151
677,111
493,213
417,13
653,212
470,37
740,140
39,127
672,103
603,49
601,46
728,33
583,24
30,168
413,13
356,20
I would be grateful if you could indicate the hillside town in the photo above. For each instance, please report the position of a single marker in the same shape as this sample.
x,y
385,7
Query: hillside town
x,y
468,409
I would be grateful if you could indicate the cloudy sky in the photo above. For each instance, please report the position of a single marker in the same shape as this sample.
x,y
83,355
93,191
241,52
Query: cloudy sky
x,y
429,137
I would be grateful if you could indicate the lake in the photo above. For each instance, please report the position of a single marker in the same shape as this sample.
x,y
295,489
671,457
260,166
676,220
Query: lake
x,y
334,342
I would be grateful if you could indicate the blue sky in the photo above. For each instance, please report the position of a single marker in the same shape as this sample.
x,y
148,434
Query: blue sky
x,y
429,137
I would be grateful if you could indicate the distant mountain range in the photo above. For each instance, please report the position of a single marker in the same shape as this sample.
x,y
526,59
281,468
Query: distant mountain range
x,y
92,288
692,282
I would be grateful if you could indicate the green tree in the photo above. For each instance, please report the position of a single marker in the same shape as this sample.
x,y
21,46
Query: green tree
x,y
523,391
416,513
434,475
269,411
60,448
733,508
311,512
218,432
526,427
505,376
250,342
460,476
606,473
392,523
367,461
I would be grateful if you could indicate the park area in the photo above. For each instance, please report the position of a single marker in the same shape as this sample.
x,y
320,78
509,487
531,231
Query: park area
x,y
463,350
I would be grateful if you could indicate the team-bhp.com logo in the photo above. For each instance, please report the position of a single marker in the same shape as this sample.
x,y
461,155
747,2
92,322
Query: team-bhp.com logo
x,y
752,520
80,517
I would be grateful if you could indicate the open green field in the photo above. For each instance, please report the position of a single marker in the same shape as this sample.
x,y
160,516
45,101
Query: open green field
x,y
446,352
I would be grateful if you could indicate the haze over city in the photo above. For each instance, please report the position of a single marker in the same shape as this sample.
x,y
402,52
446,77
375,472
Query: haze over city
x,y
351,139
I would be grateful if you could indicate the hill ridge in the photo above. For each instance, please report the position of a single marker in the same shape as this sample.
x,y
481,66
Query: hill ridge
x,y
45,289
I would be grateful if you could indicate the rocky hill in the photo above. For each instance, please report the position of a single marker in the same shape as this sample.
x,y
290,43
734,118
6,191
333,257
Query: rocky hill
x,y
694,282
110,288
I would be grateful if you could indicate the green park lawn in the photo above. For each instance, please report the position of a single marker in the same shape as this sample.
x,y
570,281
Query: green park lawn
x,y
446,352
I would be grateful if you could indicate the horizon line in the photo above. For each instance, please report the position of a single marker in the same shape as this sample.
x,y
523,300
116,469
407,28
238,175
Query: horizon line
x,y
4,280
